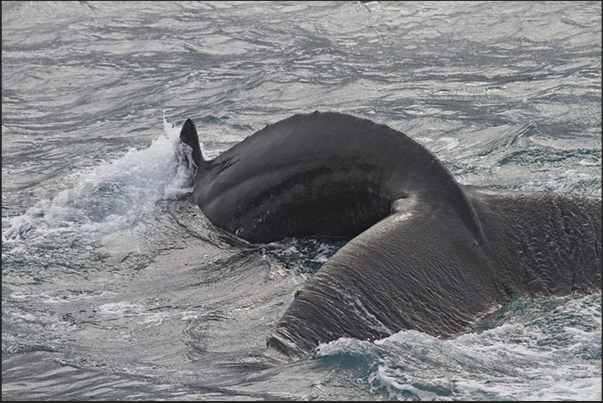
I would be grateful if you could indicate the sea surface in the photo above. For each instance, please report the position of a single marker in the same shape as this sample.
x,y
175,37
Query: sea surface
x,y
114,284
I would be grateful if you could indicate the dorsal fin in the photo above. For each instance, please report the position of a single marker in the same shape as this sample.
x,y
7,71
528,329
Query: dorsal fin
x,y
189,136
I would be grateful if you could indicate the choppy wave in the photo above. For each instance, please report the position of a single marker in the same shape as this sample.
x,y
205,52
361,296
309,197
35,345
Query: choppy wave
x,y
528,353
113,289
111,196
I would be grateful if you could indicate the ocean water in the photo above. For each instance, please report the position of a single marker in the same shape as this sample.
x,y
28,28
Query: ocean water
x,y
115,286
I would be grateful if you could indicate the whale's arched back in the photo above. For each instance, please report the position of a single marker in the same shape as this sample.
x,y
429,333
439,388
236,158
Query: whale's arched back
x,y
319,174
426,253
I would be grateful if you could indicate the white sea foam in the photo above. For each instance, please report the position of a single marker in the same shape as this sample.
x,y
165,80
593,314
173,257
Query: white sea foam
x,y
62,299
112,196
345,345
324,253
121,309
520,359
397,389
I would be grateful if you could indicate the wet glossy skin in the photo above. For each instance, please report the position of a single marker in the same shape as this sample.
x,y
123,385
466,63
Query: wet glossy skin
x,y
318,174
426,253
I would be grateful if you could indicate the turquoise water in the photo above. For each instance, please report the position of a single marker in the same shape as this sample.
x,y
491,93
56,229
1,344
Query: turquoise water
x,y
113,288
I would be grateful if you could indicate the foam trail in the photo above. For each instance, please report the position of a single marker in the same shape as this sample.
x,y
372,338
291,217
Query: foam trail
x,y
112,196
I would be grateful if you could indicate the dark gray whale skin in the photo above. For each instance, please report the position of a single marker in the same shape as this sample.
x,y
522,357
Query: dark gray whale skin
x,y
317,174
426,253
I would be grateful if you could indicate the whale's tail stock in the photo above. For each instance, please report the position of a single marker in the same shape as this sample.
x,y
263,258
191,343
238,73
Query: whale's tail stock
x,y
420,269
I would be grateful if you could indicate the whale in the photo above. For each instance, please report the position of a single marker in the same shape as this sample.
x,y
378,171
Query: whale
x,y
424,252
